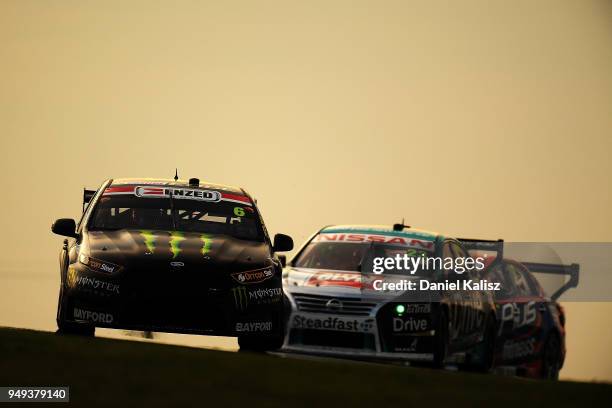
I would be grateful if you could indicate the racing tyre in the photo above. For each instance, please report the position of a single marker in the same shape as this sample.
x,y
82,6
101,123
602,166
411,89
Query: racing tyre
x,y
551,358
441,341
486,349
260,344
71,328
75,329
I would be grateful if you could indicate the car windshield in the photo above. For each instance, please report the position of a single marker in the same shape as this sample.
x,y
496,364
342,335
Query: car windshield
x,y
174,209
356,256
331,255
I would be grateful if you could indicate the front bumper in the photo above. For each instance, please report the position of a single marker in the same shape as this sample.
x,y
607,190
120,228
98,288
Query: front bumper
x,y
192,305
373,334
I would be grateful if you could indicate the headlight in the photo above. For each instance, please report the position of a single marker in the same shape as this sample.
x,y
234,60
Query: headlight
x,y
98,265
84,259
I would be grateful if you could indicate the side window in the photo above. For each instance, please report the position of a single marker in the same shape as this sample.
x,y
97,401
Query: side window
x,y
88,208
524,285
502,274
514,276
446,250
446,253
458,251
536,288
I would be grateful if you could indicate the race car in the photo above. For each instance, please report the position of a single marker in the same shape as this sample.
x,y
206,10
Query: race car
x,y
335,308
171,256
531,328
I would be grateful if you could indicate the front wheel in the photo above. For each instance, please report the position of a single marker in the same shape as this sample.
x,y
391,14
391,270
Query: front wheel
x,y
75,329
486,356
71,328
260,344
551,358
441,341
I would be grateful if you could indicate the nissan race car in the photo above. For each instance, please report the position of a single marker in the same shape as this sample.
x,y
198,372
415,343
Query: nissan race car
x,y
335,309
171,256
531,330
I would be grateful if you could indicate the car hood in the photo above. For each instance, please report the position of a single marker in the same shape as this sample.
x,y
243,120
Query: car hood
x,y
127,248
338,283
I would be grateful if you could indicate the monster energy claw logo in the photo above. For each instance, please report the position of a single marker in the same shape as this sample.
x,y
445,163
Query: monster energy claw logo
x,y
173,241
241,299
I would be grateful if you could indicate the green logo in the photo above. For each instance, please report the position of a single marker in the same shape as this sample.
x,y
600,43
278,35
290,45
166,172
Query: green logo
x,y
172,240
241,298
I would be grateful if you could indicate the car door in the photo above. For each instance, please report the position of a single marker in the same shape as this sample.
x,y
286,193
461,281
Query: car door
x,y
532,309
453,301
519,312
473,301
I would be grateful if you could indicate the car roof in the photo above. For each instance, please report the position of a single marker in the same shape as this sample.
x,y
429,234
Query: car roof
x,y
177,183
407,232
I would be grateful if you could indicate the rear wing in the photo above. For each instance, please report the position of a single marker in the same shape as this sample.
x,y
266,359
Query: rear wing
x,y
87,196
572,270
496,246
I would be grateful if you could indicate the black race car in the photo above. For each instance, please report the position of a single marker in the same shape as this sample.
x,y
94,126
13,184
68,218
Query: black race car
x,y
171,256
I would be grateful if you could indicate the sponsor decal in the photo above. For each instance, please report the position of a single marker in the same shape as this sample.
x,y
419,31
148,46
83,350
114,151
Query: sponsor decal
x,y
254,327
386,239
417,308
206,244
178,193
91,316
274,294
98,265
409,324
173,241
334,279
243,296
333,323
516,315
149,240
96,285
256,276
102,266
181,193
409,347
516,349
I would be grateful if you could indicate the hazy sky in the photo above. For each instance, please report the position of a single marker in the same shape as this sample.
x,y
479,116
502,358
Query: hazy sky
x,y
476,118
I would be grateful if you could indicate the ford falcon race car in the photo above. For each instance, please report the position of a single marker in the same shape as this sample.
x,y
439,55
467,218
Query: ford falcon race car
x,y
171,256
336,309
531,329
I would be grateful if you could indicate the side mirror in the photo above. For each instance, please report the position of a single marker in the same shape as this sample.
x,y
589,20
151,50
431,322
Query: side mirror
x,y
282,243
283,260
65,227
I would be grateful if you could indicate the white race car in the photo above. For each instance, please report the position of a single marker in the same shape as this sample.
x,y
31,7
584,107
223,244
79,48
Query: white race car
x,y
336,310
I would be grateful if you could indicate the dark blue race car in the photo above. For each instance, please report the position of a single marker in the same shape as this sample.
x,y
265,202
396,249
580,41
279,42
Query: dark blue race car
x,y
531,324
